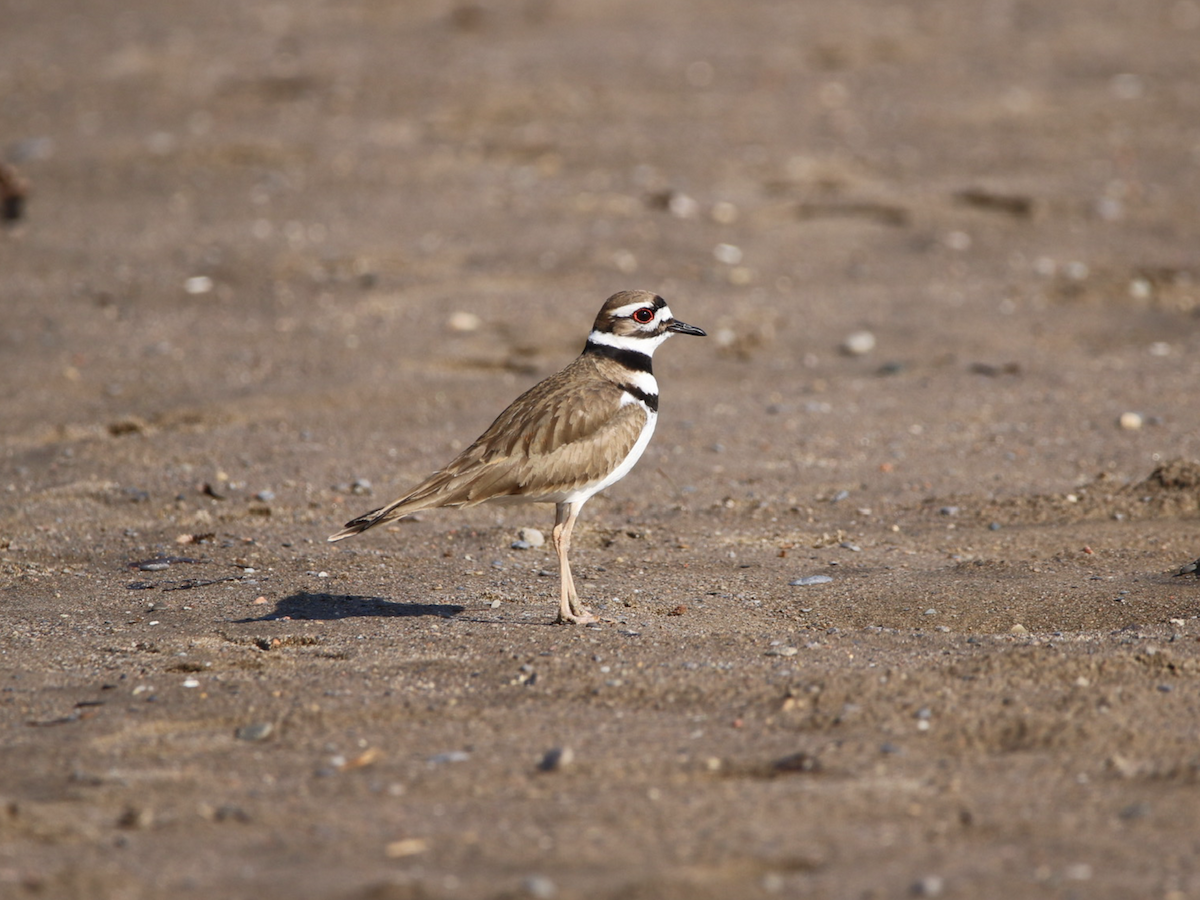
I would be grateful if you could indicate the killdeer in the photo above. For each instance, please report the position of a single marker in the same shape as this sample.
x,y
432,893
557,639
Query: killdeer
x,y
564,439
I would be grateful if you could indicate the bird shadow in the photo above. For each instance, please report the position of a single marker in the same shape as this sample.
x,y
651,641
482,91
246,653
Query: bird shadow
x,y
331,607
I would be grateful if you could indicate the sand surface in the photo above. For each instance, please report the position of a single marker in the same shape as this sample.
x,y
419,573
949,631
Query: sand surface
x,y
278,261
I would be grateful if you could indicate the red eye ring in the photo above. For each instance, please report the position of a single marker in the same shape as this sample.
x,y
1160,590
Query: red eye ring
x,y
644,315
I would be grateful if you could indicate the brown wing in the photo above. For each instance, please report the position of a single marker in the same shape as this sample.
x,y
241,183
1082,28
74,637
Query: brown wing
x,y
563,433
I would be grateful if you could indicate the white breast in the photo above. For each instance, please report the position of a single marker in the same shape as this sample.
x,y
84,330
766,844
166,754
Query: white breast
x,y
627,463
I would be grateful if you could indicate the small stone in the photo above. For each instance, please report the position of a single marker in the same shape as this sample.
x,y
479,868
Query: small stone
x,y
782,651
681,206
931,612
464,321
521,545
360,486
1131,421
929,886
198,284
1018,629
539,887
557,759
406,847
949,510
256,731
191,683
808,580
531,536
728,253
265,496
858,343
451,756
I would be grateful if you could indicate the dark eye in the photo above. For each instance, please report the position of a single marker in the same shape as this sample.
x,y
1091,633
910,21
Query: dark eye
x,y
644,315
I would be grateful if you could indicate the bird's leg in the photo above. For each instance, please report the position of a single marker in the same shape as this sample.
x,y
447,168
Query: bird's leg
x,y
570,610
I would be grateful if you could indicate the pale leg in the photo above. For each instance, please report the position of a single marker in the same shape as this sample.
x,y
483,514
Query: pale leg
x,y
569,607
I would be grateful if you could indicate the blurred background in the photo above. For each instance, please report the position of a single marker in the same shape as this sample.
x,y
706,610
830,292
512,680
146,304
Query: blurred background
x,y
965,229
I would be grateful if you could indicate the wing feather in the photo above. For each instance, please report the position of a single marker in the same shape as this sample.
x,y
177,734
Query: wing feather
x,y
562,434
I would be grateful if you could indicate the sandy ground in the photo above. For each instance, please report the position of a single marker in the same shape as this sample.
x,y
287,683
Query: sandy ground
x,y
280,260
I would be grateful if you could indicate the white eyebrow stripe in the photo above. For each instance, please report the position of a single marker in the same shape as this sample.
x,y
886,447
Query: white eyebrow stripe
x,y
624,312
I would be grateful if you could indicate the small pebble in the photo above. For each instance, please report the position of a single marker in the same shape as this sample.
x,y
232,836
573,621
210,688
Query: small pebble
x,y
810,580
1131,421
360,486
557,759
539,887
931,612
257,731
728,254
406,847
782,651
464,321
1018,629
681,206
265,496
531,536
949,510
198,284
521,545
929,886
191,683
858,343
451,756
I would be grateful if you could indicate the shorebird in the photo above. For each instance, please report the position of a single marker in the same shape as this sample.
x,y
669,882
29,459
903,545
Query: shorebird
x,y
563,440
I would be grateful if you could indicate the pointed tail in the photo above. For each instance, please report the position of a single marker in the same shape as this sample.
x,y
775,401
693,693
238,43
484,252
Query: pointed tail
x,y
362,523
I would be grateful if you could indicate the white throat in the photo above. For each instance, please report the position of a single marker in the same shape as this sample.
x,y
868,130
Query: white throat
x,y
633,342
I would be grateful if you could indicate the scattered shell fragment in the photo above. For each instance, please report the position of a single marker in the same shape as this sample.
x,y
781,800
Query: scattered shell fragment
x,y
808,580
406,847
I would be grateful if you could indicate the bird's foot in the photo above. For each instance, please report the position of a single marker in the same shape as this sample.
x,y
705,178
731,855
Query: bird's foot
x,y
580,616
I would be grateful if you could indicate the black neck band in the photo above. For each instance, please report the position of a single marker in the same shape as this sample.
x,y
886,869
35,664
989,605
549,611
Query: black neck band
x,y
630,359
651,400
